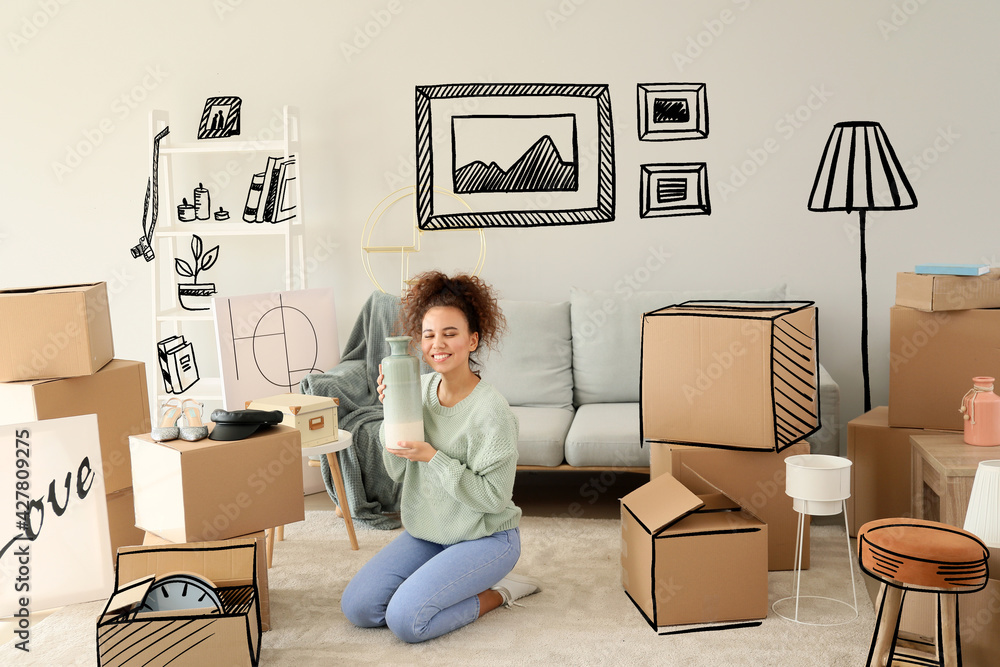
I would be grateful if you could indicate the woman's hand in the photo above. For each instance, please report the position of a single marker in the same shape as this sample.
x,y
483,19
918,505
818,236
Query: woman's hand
x,y
381,385
412,450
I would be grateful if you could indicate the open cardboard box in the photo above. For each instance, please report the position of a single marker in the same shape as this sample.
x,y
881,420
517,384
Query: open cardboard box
x,y
755,480
54,332
231,637
692,557
730,374
263,591
217,489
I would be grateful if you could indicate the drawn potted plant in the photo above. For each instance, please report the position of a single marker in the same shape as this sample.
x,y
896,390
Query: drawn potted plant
x,y
195,295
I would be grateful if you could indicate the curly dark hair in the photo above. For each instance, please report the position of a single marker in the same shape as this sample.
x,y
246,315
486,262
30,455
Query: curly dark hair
x,y
470,294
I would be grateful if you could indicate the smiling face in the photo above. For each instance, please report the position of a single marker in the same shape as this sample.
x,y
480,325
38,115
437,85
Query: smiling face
x,y
446,340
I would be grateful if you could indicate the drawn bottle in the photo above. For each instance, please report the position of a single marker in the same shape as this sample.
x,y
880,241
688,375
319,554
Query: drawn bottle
x,y
404,415
981,412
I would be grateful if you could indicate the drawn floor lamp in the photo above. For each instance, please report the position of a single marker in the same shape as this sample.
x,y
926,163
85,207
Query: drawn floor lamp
x,y
860,172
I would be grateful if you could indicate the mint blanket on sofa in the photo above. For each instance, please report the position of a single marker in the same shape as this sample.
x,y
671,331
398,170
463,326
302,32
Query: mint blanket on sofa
x,y
371,494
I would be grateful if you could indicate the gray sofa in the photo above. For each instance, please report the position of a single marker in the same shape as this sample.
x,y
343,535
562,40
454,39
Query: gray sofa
x,y
570,372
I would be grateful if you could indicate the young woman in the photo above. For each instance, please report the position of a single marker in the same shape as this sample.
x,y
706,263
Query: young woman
x,y
460,541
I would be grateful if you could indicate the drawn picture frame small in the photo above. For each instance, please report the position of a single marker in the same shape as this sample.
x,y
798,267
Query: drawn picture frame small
x,y
667,190
220,118
672,111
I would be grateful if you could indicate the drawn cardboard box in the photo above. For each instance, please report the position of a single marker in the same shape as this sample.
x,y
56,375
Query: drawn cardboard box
x,y
54,332
692,560
263,590
230,636
755,480
730,374
217,489
314,416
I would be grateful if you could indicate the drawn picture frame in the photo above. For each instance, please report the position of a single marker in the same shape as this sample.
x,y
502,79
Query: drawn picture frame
x,y
672,111
677,189
444,114
220,118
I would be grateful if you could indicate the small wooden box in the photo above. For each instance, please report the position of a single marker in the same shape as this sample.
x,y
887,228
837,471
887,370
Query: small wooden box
x,y
314,416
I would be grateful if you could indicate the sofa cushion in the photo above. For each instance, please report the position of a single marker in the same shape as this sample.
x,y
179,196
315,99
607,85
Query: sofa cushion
x,y
533,365
606,435
541,434
607,333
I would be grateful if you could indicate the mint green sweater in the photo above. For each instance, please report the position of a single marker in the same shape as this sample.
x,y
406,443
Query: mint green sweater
x,y
465,491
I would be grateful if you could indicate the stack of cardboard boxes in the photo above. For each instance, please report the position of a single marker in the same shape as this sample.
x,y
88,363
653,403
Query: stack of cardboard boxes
x,y
728,392
943,332
56,360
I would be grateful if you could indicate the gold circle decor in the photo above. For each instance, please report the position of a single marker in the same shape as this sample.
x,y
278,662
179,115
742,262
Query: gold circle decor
x,y
404,251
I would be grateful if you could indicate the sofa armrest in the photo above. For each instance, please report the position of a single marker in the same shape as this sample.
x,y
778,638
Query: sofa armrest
x,y
827,439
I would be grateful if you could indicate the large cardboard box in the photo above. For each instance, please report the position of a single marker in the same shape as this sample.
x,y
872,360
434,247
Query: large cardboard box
x,y
117,394
208,489
932,360
936,293
880,482
755,480
54,332
121,521
263,592
729,374
692,560
157,639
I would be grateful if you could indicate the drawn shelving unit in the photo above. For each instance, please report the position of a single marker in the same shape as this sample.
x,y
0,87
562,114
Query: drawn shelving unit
x,y
173,239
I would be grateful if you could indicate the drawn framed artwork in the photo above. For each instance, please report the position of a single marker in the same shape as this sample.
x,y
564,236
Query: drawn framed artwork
x,y
673,189
672,111
220,118
520,155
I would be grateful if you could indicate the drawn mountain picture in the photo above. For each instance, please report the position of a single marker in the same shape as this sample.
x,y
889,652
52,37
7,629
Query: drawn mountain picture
x,y
541,167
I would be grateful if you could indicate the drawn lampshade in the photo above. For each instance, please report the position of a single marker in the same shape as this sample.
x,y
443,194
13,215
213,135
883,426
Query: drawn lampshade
x,y
859,171
983,516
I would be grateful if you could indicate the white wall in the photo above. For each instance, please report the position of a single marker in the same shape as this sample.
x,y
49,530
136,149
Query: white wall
x,y
79,78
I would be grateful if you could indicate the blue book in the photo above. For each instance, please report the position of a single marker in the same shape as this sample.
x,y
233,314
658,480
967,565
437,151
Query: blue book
x,y
953,269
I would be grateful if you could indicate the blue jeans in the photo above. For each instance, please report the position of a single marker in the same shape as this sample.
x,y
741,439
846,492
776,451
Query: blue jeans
x,y
423,590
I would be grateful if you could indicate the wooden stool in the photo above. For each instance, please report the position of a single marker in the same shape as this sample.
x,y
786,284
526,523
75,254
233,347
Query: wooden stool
x,y
918,555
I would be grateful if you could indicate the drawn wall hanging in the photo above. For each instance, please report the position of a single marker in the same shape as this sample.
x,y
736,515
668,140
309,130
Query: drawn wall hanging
x,y
531,155
673,189
220,118
859,171
672,111
195,295
268,342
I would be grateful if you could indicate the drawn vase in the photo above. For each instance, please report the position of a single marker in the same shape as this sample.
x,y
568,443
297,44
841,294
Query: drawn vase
x,y
981,412
404,411
195,296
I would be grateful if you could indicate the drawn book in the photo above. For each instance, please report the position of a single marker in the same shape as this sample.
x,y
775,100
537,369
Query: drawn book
x,y
253,198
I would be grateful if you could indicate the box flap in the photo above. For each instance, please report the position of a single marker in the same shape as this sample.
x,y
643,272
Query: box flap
x,y
741,309
661,502
293,403
127,596
79,287
224,562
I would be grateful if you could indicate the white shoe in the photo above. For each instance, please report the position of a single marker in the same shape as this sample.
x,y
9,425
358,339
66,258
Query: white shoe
x,y
514,587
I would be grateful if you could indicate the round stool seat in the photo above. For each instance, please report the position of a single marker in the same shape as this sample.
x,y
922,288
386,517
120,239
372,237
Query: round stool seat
x,y
923,555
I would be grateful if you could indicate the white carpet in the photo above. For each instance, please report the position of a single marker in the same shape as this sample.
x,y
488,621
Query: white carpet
x,y
582,617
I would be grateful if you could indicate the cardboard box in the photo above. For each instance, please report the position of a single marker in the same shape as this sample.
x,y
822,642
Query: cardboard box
x,y
730,374
880,481
54,332
314,416
937,293
121,521
263,593
755,480
932,360
117,394
692,559
231,637
208,489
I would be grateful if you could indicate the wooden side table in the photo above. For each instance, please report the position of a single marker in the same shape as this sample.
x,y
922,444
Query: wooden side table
x,y
943,468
